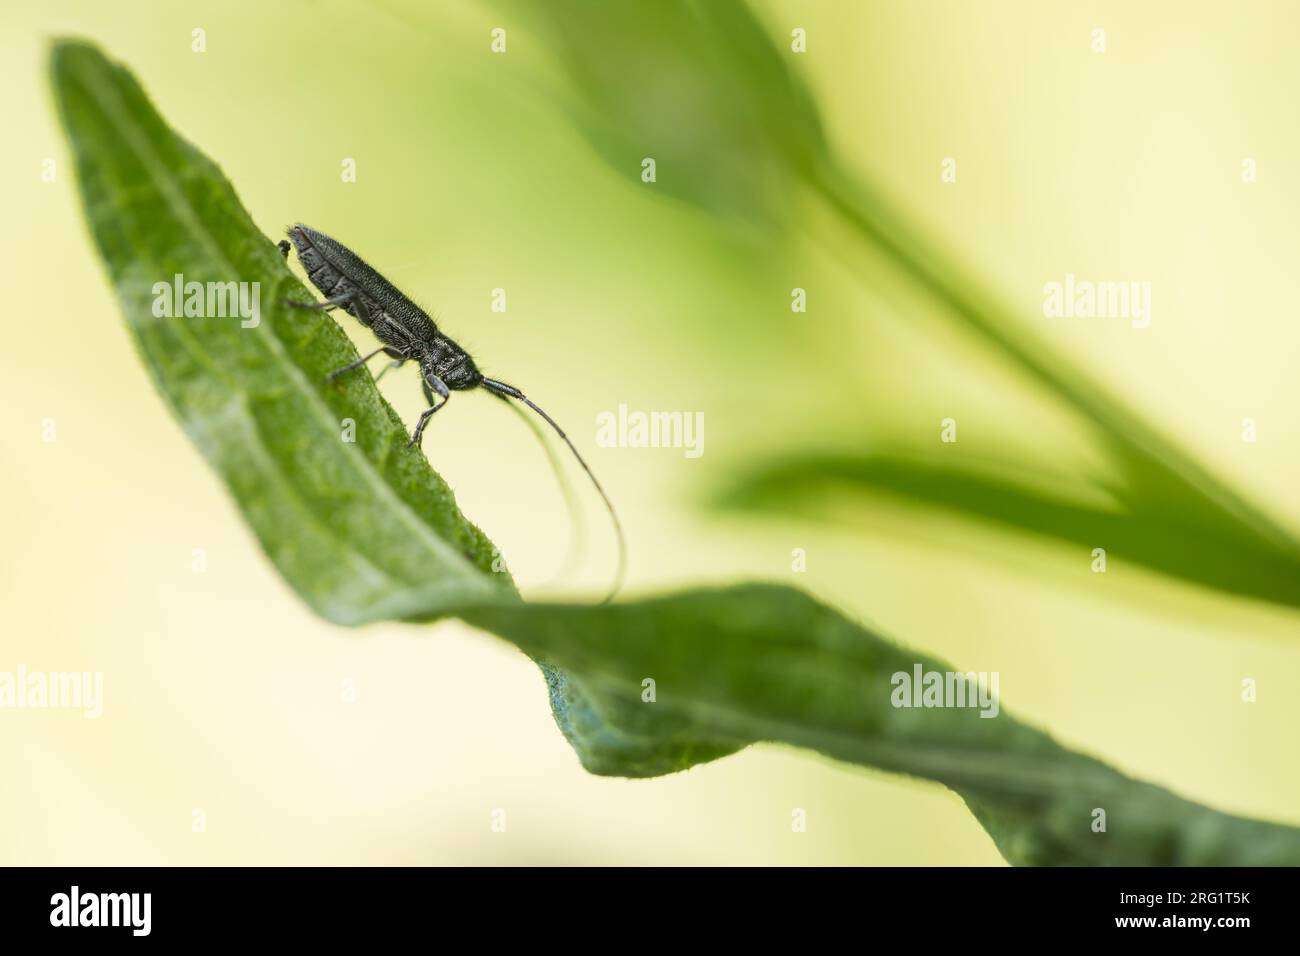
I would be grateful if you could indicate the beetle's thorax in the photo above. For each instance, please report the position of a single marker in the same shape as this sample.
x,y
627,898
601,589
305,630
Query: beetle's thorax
x,y
451,363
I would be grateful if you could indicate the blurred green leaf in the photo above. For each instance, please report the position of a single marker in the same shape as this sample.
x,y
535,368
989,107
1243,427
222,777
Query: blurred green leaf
x,y
697,86
1157,477
702,84
1166,539
366,531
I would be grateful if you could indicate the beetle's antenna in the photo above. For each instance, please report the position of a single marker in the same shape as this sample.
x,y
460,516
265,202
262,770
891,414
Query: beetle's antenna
x,y
501,388
578,539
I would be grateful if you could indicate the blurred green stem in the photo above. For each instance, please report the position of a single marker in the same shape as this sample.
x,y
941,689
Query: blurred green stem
x,y
1155,470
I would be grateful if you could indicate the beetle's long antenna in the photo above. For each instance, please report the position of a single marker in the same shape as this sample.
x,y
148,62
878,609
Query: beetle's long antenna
x,y
578,540
501,388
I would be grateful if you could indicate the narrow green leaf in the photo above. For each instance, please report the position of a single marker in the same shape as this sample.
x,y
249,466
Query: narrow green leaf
x,y
700,88
766,662
363,530
741,134
1168,539
1156,472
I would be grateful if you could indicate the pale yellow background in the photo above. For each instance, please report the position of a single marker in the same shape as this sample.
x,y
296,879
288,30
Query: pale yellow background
x,y
224,693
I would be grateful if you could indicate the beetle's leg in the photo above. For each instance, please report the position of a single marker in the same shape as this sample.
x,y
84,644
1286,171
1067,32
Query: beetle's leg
x,y
357,364
284,248
342,298
401,359
395,353
442,390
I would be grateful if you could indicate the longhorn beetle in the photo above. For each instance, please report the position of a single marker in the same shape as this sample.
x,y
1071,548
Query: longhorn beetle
x,y
410,335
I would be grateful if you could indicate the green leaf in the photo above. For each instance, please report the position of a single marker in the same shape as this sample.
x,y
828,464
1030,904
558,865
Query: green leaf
x,y
1170,539
1157,476
766,662
363,531
698,87
705,88
366,531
